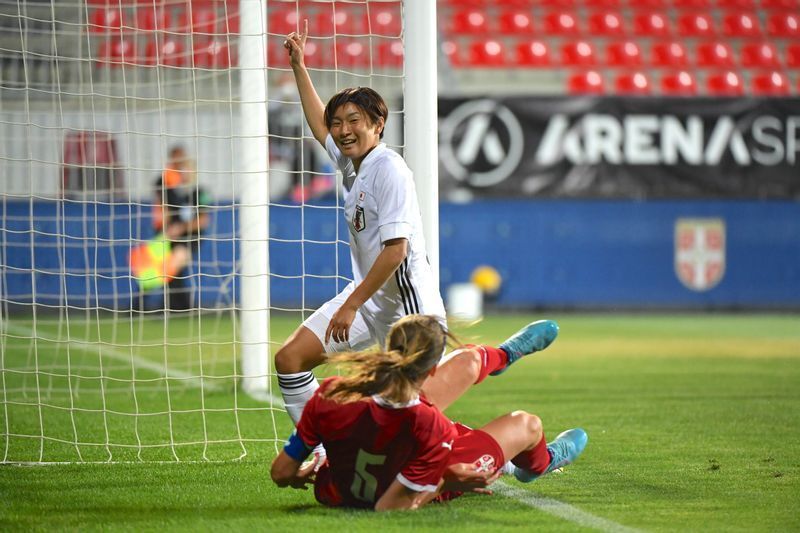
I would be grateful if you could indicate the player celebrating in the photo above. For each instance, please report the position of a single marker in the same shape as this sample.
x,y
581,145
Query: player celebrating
x,y
391,274
389,448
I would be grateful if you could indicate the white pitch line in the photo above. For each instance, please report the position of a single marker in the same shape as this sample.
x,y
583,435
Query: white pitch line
x,y
561,509
139,362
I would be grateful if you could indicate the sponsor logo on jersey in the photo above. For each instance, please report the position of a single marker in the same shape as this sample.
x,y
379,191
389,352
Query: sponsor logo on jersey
x,y
359,219
700,252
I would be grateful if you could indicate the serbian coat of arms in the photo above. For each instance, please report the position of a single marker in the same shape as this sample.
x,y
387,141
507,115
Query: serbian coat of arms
x,y
700,252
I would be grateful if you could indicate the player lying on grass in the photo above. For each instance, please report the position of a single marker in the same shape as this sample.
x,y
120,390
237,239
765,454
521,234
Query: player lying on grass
x,y
390,448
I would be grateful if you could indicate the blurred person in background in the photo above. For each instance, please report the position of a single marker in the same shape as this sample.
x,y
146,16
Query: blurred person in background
x,y
181,215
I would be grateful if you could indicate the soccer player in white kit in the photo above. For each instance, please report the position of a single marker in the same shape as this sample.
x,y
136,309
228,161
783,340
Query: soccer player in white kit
x,y
391,274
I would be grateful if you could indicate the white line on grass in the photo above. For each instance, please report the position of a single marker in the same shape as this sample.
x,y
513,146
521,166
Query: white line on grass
x,y
140,362
560,509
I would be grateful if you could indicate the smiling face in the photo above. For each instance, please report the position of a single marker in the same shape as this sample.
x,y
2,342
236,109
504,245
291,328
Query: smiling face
x,y
354,133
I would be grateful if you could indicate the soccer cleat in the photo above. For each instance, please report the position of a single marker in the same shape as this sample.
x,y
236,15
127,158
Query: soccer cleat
x,y
534,337
564,450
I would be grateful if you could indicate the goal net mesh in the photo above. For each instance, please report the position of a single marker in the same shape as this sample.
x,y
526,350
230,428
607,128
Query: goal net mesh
x,y
114,345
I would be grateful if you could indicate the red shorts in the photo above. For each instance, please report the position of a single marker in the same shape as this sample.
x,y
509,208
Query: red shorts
x,y
476,447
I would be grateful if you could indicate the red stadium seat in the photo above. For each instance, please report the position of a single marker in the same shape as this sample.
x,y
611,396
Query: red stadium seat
x,y
340,19
651,24
771,83
517,22
465,3
385,20
116,51
318,53
736,4
470,22
390,53
198,20
561,23
696,25
578,53
741,24
533,54
714,54
632,83
284,22
726,83
780,4
588,82
680,83
613,4
231,24
653,4
106,19
669,54
606,23
152,18
793,55
559,3
452,52
784,25
624,54
489,53
214,54
763,55
691,4
166,51
352,53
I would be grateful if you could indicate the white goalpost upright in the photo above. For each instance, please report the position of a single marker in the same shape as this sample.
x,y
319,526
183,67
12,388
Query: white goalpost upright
x,y
254,191
421,117
97,362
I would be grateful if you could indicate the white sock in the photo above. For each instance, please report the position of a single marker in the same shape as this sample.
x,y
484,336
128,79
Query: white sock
x,y
296,390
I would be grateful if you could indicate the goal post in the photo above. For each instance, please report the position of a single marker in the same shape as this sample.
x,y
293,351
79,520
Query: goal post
x,y
254,190
421,117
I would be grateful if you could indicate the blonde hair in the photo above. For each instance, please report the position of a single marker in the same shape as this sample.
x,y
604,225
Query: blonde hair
x,y
413,347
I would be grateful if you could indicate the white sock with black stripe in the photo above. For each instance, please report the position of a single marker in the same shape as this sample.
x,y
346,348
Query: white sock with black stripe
x,y
296,390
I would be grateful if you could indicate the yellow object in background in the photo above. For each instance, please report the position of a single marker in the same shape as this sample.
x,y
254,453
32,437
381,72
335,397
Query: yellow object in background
x,y
152,263
487,278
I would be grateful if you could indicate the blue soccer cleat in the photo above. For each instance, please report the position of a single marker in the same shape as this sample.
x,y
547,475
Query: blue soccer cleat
x,y
564,450
534,337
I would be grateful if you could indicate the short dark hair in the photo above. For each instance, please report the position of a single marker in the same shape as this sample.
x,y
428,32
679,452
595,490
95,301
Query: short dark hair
x,y
366,99
176,150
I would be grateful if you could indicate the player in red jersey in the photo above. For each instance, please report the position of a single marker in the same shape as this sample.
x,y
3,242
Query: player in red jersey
x,y
389,448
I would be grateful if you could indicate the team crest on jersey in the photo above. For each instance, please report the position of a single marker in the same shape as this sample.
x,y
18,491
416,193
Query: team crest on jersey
x,y
700,252
359,220
485,463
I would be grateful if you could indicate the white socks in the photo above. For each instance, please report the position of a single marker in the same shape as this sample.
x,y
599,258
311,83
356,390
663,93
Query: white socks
x,y
296,390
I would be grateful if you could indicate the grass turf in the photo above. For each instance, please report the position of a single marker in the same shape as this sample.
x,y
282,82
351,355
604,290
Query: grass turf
x,y
693,422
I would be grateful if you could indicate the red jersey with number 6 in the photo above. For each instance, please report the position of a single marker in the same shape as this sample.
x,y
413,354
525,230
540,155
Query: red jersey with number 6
x,y
372,442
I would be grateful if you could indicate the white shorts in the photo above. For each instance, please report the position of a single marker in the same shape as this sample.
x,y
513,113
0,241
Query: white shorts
x,y
362,335
365,331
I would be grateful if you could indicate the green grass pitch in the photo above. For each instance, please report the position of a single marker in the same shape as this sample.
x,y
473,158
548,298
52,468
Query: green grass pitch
x,y
693,423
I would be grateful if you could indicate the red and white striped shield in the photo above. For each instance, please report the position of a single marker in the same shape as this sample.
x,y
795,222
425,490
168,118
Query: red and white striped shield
x,y
700,252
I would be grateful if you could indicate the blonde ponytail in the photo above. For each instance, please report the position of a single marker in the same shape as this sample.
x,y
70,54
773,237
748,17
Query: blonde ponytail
x,y
413,347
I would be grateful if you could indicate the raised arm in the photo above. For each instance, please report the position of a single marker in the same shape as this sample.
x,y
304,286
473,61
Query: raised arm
x,y
313,107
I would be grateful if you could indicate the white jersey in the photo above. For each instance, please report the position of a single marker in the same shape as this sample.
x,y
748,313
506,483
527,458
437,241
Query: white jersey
x,y
381,204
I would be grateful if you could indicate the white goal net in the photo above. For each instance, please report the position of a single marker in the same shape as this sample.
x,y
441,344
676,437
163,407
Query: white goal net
x,y
123,338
